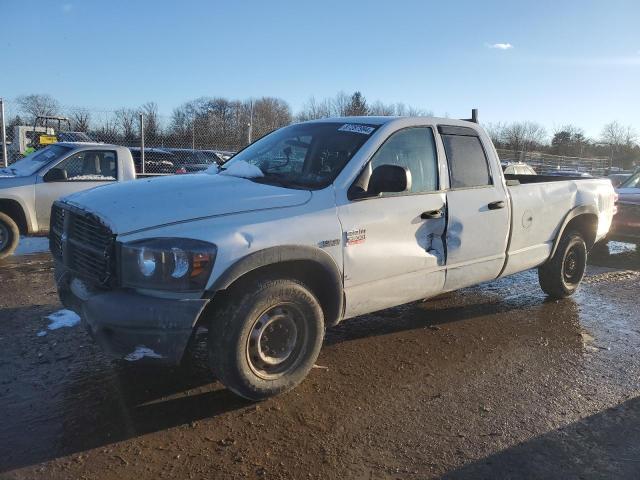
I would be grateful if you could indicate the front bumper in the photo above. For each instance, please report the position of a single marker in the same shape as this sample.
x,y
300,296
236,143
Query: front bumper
x,y
131,326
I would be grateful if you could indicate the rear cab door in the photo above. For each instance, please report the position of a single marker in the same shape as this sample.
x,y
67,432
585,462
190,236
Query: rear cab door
x,y
477,205
82,170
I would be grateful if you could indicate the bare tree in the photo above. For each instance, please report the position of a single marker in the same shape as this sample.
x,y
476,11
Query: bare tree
x,y
619,135
36,105
523,136
80,119
496,133
313,110
379,108
622,140
340,104
151,122
269,114
127,122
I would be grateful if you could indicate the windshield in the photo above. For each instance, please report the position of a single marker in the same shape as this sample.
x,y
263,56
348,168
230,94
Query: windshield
x,y
307,155
35,161
632,182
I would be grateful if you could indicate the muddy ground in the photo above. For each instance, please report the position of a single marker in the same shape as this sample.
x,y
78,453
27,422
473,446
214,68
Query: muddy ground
x,y
494,381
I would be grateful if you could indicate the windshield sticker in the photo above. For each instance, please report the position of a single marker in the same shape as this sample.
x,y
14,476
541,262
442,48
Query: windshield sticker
x,y
355,236
355,128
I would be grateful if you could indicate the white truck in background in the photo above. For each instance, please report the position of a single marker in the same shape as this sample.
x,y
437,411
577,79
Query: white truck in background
x,y
312,224
29,186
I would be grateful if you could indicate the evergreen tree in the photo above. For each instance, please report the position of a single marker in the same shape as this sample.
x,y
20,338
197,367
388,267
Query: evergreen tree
x,y
357,106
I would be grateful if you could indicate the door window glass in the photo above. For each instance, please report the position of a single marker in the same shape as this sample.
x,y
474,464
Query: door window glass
x,y
468,166
90,165
414,149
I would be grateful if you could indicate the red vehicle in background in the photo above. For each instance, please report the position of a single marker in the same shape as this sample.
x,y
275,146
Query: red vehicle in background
x,y
626,223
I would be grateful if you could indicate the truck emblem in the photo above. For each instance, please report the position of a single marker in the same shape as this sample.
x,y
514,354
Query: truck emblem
x,y
329,243
355,236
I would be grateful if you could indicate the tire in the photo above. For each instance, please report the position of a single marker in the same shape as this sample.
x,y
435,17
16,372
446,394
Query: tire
x,y
9,235
560,277
266,337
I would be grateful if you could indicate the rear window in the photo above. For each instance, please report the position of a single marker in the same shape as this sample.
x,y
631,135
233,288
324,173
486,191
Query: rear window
x,y
468,165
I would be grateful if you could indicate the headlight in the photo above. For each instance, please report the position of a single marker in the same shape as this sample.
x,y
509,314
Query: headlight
x,y
177,264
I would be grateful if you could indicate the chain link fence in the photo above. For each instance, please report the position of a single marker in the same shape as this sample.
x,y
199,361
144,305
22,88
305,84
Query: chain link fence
x,y
545,164
195,138
157,143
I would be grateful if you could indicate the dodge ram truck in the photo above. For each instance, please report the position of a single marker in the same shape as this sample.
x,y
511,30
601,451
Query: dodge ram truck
x,y
29,186
313,224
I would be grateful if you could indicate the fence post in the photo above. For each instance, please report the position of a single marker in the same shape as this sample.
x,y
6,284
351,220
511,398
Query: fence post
x,y
142,166
3,132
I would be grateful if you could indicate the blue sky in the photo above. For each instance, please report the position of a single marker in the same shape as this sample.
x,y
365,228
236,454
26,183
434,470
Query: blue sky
x,y
562,61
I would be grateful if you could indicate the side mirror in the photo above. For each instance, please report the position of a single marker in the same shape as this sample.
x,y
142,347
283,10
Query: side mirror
x,y
56,175
389,179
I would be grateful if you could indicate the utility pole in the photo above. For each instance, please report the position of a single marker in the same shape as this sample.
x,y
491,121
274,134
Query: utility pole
x,y
3,132
250,121
142,166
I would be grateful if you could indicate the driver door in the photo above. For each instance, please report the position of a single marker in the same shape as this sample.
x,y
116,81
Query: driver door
x,y
81,171
394,242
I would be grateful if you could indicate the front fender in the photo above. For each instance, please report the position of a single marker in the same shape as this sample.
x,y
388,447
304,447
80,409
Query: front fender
x,y
289,253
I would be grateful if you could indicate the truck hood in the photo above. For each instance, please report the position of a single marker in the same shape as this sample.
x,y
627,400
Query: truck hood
x,y
142,204
8,181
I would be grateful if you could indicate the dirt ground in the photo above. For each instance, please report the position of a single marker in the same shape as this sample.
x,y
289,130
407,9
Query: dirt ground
x,y
494,381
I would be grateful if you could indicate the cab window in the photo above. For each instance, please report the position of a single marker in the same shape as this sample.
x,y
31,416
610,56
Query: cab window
x,y
468,165
90,165
412,148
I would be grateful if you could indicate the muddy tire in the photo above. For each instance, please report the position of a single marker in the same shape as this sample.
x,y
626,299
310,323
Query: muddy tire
x,y
562,274
266,337
9,235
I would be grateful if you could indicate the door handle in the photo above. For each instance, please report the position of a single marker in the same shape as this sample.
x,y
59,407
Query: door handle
x,y
431,214
497,205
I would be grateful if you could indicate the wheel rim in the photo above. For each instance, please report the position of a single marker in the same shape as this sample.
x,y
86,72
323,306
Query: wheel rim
x,y
276,340
4,236
572,268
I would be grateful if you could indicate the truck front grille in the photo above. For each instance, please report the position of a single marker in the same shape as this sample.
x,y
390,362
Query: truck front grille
x,y
83,243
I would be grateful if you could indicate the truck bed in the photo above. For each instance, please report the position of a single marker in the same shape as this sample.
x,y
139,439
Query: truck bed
x,y
526,179
539,205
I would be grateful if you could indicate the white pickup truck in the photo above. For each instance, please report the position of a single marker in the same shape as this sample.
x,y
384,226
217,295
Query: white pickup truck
x,y
29,186
315,223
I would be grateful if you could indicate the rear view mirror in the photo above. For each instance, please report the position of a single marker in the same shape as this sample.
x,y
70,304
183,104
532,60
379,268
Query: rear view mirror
x,y
56,175
389,179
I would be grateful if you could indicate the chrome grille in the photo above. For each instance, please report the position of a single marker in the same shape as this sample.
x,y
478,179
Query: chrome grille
x,y
83,244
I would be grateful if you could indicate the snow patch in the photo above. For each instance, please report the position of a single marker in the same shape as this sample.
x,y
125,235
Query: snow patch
x,y
63,318
213,169
41,333
242,169
140,352
92,177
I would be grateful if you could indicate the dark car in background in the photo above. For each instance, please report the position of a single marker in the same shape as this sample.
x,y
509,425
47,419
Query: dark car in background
x,y
156,160
188,160
626,223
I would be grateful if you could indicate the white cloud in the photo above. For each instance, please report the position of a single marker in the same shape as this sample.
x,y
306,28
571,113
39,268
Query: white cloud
x,y
500,46
67,7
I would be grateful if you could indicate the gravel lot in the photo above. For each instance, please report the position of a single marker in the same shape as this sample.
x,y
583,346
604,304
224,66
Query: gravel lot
x,y
490,382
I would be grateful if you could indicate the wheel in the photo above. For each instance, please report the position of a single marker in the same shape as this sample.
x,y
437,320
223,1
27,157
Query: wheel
x,y
9,235
266,337
562,274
